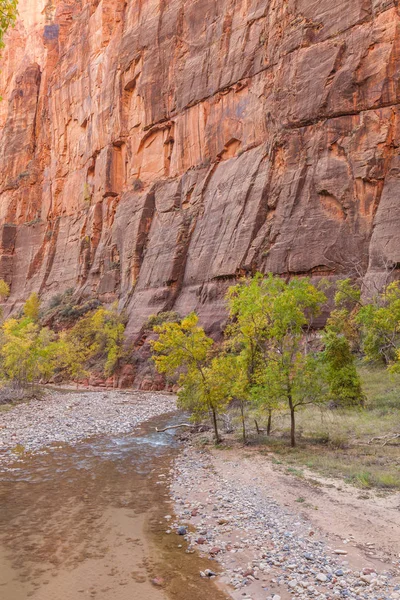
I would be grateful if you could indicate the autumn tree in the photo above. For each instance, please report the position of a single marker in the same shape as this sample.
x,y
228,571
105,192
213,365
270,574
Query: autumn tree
x,y
183,348
4,290
28,352
270,319
98,337
32,307
8,16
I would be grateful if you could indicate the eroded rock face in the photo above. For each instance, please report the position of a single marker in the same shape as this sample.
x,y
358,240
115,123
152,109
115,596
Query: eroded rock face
x,y
153,151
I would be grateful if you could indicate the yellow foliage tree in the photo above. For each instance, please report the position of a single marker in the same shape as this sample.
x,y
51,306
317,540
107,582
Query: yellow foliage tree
x,y
4,290
32,307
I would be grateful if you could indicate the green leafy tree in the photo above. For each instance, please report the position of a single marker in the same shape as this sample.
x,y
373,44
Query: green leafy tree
x,y
345,387
8,16
379,323
270,320
246,335
32,307
184,348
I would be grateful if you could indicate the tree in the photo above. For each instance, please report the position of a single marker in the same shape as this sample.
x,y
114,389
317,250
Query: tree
x,y
229,372
96,337
344,382
246,334
379,323
32,307
184,348
8,16
270,320
4,290
28,352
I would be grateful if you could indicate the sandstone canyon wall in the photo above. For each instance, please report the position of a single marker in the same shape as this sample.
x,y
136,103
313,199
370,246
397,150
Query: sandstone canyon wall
x,y
153,150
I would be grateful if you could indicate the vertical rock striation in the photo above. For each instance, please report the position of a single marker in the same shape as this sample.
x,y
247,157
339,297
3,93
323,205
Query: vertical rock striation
x,y
151,151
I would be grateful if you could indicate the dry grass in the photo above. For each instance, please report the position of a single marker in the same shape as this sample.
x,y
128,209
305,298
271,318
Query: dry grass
x,y
337,442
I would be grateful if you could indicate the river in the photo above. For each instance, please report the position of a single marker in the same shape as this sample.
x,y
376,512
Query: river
x,y
88,521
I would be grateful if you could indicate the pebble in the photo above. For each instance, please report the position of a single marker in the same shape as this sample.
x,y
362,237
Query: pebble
x,y
181,530
259,539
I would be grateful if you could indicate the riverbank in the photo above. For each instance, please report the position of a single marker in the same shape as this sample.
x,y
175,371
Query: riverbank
x,y
68,416
274,535
86,512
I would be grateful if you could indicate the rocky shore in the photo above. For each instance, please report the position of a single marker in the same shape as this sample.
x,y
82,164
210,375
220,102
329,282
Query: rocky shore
x,y
227,509
68,417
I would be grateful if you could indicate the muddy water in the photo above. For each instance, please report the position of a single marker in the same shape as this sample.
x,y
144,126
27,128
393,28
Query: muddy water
x,y
88,522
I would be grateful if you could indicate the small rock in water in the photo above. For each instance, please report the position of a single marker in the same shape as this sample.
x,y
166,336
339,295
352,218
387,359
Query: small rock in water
x,y
181,530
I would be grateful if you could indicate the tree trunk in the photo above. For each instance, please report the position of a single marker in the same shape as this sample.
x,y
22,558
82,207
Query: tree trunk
x,y
292,427
243,423
257,427
269,424
215,425
292,421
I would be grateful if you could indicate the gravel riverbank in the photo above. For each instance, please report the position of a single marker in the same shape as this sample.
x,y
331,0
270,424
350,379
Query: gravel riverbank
x,y
265,550
273,536
68,416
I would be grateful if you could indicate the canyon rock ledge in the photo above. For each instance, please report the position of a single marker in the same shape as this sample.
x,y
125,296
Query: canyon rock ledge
x,y
151,152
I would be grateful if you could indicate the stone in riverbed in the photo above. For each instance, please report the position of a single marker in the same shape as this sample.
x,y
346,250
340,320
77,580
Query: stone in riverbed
x,y
322,578
308,556
181,530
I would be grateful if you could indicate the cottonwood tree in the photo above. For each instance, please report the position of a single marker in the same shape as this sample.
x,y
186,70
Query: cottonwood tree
x,y
28,352
4,290
372,324
32,307
97,337
344,383
271,318
184,348
379,323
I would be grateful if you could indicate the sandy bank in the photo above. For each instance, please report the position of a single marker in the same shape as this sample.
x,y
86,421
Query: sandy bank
x,y
274,534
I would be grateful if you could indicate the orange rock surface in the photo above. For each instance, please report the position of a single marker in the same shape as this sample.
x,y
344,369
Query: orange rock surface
x,y
153,150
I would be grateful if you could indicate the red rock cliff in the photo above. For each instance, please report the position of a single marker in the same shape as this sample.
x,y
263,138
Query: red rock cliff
x,y
152,150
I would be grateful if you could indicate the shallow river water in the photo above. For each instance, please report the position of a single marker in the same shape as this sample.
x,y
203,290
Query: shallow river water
x,y
88,521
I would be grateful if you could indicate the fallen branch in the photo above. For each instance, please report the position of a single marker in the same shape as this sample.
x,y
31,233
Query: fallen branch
x,y
173,427
389,437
